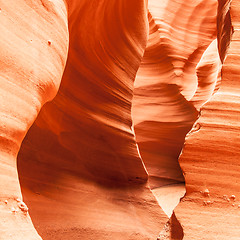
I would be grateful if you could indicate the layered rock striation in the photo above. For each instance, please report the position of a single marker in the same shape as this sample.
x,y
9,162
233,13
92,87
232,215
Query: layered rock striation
x,y
210,156
133,82
88,178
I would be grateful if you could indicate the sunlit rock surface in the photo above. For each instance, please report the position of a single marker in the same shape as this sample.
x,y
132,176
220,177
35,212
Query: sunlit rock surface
x,y
210,159
89,181
132,123
171,81
30,74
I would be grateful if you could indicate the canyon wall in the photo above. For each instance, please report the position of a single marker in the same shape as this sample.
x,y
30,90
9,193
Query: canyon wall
x,y
33,52
210,209
144,101
88,180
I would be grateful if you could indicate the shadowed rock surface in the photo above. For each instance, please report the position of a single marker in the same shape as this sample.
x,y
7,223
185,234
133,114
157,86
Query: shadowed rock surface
x,y
130,85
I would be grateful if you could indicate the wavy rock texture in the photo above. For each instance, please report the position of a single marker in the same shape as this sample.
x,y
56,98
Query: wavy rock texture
x,y
88,180
173,81
30,73
210,209
102,157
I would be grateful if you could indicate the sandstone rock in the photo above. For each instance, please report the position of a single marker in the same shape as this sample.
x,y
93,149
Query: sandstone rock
x,y
136,113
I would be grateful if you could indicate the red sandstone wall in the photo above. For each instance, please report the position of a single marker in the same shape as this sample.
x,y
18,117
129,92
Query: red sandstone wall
x,y
102,159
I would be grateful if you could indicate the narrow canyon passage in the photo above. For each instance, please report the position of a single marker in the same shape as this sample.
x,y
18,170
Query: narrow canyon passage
x,y
87,179
178,73
119,106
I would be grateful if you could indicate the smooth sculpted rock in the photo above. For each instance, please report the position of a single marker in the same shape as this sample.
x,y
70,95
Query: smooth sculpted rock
x,y
178,73
210,159
87,180
127,82
30,74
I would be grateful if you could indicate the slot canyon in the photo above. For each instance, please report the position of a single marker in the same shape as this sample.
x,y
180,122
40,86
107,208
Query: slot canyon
x,y
120,119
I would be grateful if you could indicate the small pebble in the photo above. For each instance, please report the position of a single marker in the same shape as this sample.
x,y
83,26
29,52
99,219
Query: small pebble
x,y
18,200
49,42
206,193
6,201
23,206
13,210
238,206
225,197
233,197
233,205
207,203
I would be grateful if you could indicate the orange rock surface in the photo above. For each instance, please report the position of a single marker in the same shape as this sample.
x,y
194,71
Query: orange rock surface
x,y
210,158
135,114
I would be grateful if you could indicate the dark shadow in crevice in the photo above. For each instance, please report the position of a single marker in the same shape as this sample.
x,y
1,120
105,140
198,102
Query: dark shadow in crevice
x,y
172,230
176,230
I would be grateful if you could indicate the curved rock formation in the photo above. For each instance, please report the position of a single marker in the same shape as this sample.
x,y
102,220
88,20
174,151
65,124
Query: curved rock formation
x,y
168,92
101,159
34,43
210,156
89,181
